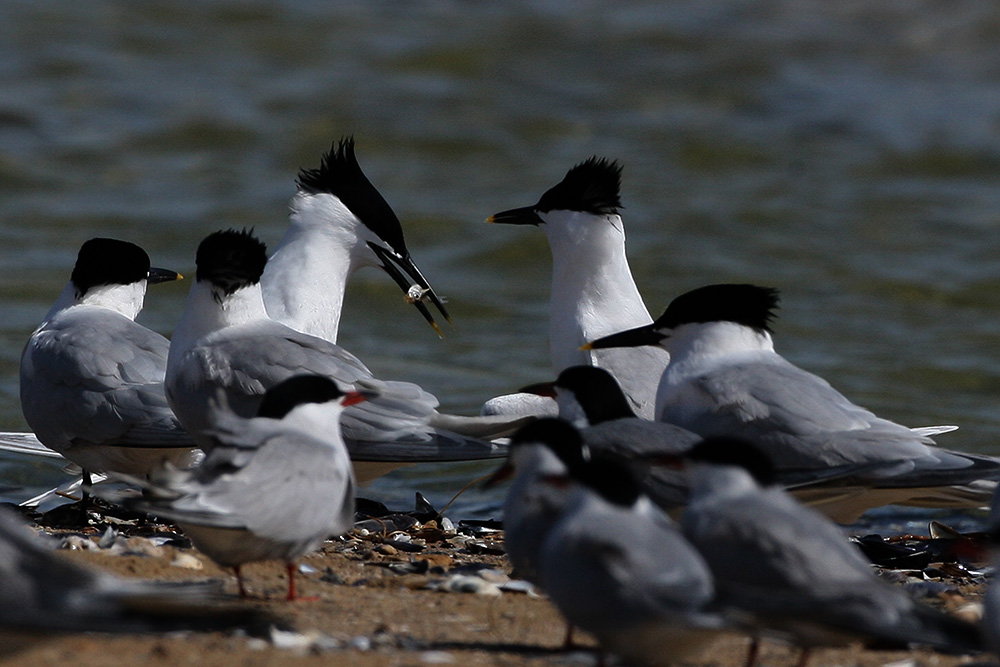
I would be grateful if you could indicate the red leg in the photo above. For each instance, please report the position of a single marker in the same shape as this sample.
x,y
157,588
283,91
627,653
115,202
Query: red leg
x,y
753,653
568,640
291,582
239,582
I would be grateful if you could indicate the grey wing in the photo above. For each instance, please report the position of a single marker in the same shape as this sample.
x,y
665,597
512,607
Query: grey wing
x,y
614,571
98,380
33,578
42,592
25,443
795,569
246,362
768,542
641,438
802,419
251,483
634,437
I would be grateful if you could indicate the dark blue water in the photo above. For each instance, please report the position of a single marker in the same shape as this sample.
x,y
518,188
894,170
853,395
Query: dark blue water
x,y
845,152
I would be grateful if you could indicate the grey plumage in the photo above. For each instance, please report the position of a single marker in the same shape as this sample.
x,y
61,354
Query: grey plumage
x,y
725,378
616,565
42,594
92,378
792,568
270,488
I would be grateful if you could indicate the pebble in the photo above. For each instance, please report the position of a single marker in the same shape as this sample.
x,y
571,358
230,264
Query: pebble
x,y
436,658
141,546
77,542
463,583
360,643
187,561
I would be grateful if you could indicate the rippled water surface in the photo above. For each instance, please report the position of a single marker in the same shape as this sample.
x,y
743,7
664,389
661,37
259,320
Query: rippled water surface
x,y
846,152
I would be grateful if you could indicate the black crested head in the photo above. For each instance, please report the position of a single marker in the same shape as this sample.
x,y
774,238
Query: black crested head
x,y
558,435
607,473
725,450
749,305
109,262
231,259
285,396
597,392
339,174
612,476
591,186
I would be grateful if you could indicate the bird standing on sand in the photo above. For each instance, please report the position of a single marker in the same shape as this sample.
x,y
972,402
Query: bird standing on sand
x,y
92,378
791,567
725,378
593,293
531,506
618,567
272,487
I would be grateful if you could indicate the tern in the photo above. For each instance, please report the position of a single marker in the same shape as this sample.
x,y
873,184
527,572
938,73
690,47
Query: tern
x,y
44,594
725,378
791,567
593,292
531,507
591,399
339,223
226,341
617,566
92,378
274,486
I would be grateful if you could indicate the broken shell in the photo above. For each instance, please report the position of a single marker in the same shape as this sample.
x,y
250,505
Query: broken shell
x,y
187,561
463,583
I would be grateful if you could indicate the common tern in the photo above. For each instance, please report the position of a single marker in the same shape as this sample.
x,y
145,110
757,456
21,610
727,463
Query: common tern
x,y
593,292
616,565
226,341
92,378
537,452
591,399
274,486
725,378
339,222
791,567
43,594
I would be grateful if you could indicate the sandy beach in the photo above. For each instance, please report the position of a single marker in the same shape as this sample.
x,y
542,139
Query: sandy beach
x,y
421,596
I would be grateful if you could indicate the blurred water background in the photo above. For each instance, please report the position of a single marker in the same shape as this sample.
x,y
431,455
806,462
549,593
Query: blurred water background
x,y
847,153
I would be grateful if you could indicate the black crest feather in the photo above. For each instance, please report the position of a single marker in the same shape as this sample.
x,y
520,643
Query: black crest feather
x,y
340,174
231,259
109,262
607,473
614,477
748,305
592,186
558,435
724,450
283,397
597,392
